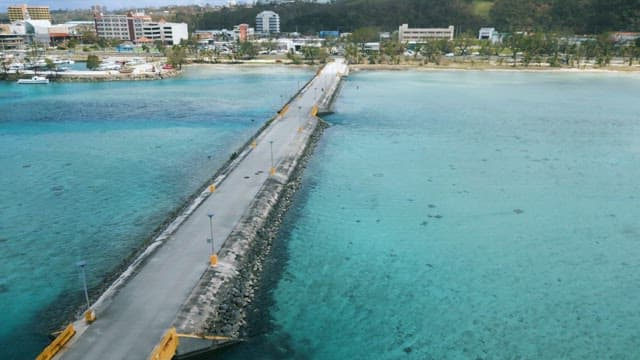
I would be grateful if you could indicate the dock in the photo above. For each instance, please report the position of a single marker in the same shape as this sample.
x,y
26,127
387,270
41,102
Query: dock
x,y
175,288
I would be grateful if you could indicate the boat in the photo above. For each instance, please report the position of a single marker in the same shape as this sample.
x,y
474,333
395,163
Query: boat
x,y
126,70
106,66
34,80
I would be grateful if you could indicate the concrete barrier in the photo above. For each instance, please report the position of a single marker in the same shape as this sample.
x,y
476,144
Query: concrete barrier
x,y
56,345
167,346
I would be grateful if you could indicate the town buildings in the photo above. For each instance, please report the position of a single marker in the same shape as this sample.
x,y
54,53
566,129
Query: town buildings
x,y
268,22
135,26
407,34
28,12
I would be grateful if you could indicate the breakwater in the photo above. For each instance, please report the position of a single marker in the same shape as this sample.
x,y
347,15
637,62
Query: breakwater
x,y
175,261
218,303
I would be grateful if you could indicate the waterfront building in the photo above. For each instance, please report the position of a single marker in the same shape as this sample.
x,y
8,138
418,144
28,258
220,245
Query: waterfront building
x,y
487,33
325,34
119,27
28,12
168,33
407,34
9,39
134,26
623,37
268,22
243,32
32,30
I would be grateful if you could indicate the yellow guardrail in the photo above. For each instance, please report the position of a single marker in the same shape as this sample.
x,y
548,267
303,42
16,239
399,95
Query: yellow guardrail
x,y
284,110
314,110
56,345
167,347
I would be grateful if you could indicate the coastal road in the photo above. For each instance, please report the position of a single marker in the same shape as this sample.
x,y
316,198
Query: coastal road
x,y
132,322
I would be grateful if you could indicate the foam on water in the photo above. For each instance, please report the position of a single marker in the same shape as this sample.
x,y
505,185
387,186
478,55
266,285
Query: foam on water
x,y
88,171
465,215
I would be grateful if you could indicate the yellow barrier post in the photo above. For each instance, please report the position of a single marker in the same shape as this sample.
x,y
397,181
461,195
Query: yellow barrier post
x,y
212,188
167,347
90,316
213,260
314,110
56,345
284,110
254,144
272,171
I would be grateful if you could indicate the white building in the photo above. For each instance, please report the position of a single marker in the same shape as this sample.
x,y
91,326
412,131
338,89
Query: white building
x,y
407,34
132,26
168,33
268,22
120,27
32,30
490,34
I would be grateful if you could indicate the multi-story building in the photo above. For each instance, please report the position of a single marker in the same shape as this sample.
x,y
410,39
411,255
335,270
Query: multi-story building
x,y
28,12
120,27
407,34
268,22
135,26
168,33
243,32
9,38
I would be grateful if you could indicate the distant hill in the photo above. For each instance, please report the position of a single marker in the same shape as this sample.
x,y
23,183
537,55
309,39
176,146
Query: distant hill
x,y
348,15
573,16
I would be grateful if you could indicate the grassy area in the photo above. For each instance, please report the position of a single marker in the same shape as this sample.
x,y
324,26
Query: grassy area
x,y
482,8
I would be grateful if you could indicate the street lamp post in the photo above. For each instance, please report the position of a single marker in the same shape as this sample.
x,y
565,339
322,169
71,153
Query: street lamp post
x,y
89,315
273,169
213,258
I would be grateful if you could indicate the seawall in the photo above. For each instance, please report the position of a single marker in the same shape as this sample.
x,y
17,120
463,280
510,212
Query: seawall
x,y
219,302
209,300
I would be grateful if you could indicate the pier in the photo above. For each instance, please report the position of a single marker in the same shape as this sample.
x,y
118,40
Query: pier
x,y
170,293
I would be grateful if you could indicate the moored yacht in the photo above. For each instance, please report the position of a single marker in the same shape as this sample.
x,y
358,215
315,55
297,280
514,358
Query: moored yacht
x,y
34,80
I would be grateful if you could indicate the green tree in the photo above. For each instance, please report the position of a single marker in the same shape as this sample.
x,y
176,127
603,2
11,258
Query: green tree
x,y
364,34
159,45
311,53
176,56
246,50
393,49
89,37
50,65
352,53
516,43
295,59
93,62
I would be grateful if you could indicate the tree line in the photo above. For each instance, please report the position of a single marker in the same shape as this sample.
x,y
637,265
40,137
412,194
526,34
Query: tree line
x,y
570,16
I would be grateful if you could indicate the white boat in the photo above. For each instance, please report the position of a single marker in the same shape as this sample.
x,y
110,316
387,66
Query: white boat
x,y
34,80
105,66
16,66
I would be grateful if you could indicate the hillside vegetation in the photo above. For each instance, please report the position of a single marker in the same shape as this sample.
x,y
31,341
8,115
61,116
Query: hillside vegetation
x,y
572,16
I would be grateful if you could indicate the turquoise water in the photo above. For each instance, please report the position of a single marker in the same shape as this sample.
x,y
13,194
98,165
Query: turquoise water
x,y
464,215
88,171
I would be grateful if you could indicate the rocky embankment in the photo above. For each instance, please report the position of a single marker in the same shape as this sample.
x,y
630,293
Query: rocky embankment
x,y
219,303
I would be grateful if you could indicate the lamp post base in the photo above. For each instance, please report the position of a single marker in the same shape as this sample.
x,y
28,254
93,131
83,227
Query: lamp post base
x,y
90,316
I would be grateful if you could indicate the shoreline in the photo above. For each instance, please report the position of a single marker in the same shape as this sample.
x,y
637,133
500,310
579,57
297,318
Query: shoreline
x,y
491,67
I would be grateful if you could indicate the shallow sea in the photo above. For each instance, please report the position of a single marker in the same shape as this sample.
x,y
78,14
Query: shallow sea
x,y
463,215
89,170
